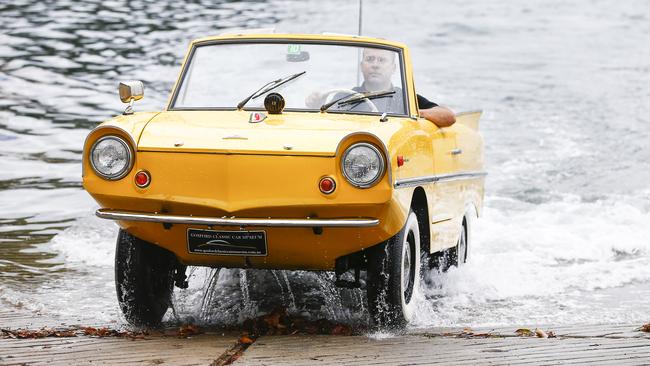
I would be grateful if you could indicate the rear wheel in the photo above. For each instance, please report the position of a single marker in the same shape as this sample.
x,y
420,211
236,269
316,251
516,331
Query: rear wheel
x,y
144,279
394,277
455,256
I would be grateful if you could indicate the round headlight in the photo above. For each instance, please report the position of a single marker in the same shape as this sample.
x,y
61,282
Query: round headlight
x,y
362,165
110,157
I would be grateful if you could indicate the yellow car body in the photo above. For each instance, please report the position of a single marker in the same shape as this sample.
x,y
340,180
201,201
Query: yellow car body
x,y
213,170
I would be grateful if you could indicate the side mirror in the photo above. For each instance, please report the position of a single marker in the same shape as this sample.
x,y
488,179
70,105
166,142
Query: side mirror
x,y
130,91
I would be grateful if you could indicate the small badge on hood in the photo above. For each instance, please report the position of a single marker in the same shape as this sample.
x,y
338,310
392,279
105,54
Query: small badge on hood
x,y
256,117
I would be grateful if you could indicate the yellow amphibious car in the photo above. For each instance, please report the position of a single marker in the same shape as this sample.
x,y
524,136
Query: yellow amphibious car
x,y
275,152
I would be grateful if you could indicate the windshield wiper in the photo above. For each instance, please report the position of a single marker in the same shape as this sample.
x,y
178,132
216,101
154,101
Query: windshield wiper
x,y
268,87
347,99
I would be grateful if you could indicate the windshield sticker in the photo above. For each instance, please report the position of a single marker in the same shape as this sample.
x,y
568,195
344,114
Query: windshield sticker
x,y
293,49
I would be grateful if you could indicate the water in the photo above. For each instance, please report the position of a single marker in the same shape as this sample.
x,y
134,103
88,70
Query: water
x,y
564,87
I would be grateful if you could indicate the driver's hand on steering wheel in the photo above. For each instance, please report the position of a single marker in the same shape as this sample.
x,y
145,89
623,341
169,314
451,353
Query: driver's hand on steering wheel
x,y
315,100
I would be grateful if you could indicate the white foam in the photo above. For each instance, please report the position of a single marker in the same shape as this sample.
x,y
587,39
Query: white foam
x,y
549,262
90,241
381,335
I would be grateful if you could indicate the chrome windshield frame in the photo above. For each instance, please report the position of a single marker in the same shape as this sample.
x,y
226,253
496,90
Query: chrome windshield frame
x,y
360,44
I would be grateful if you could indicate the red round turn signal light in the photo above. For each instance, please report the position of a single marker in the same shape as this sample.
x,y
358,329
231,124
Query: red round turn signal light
x,y
142,179
327,185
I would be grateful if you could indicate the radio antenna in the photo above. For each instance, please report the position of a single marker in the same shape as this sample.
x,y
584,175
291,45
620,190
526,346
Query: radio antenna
x,y
359,34
360,15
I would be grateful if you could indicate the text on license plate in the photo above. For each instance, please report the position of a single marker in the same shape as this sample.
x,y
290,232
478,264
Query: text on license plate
x,y
246,243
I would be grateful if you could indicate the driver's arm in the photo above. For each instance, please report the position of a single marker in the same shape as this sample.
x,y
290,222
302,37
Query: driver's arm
x,y
440,116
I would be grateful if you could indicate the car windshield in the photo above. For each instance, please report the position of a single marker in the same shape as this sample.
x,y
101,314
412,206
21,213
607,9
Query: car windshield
x,y
223,75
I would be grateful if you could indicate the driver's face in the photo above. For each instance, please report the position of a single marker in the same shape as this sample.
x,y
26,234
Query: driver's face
x,y
377,66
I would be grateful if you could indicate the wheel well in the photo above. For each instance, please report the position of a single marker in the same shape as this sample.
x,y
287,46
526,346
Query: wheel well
x,y
420,206
360,260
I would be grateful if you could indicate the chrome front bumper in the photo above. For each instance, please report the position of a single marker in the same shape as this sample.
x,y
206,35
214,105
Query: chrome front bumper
x,y
232,221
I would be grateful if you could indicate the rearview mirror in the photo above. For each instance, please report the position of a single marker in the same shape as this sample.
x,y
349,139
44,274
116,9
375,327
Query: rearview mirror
x,y
131,91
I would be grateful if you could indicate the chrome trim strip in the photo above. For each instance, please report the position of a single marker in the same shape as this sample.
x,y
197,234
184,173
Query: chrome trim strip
x,y
241,222
439,219
416,181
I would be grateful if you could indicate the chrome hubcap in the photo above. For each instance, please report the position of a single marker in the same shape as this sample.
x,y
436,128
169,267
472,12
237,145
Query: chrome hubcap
x,y
406,267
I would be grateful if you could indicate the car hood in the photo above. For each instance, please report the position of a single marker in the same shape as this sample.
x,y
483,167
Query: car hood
x,y
230,132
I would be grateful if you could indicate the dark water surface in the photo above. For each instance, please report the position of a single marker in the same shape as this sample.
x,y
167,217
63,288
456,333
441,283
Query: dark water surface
x,y
564,87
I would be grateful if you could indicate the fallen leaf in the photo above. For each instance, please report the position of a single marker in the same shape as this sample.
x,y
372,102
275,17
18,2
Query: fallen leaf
x,y
89,330
65,333
99,332
188,330
482,335
245,340
279,322
466,333
645,328
524,332
540,333
72,331
40,333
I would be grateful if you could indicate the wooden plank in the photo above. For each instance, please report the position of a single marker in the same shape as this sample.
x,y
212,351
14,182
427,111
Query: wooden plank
x,y
588,344
416,350
198,350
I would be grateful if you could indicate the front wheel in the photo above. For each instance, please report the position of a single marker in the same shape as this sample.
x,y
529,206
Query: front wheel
x,y
394,277
144,279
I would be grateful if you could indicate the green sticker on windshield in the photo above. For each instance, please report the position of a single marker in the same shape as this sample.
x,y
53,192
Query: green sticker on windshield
x,y
293,49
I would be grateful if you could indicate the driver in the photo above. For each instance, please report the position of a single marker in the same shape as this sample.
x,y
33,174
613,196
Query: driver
x,y
377,67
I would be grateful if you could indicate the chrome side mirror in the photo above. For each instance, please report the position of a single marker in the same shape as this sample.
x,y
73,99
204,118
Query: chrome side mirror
x,y
130,91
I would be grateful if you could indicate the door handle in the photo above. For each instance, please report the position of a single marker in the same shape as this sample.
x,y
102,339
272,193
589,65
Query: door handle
x,y
456,151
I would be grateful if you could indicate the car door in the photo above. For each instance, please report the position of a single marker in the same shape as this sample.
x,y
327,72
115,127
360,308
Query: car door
x,y
444,193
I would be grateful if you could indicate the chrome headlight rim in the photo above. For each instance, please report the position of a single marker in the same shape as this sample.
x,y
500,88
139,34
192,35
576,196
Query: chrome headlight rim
x,y
382,165
129,153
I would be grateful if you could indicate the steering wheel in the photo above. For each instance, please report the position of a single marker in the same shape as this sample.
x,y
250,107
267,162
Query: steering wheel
x,y
329,96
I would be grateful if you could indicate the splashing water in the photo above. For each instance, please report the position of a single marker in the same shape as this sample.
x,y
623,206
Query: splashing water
x,y
293,298
564,237
247,309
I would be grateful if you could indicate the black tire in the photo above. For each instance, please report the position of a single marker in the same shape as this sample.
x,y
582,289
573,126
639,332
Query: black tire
x,y
457,255
143,279
394,277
